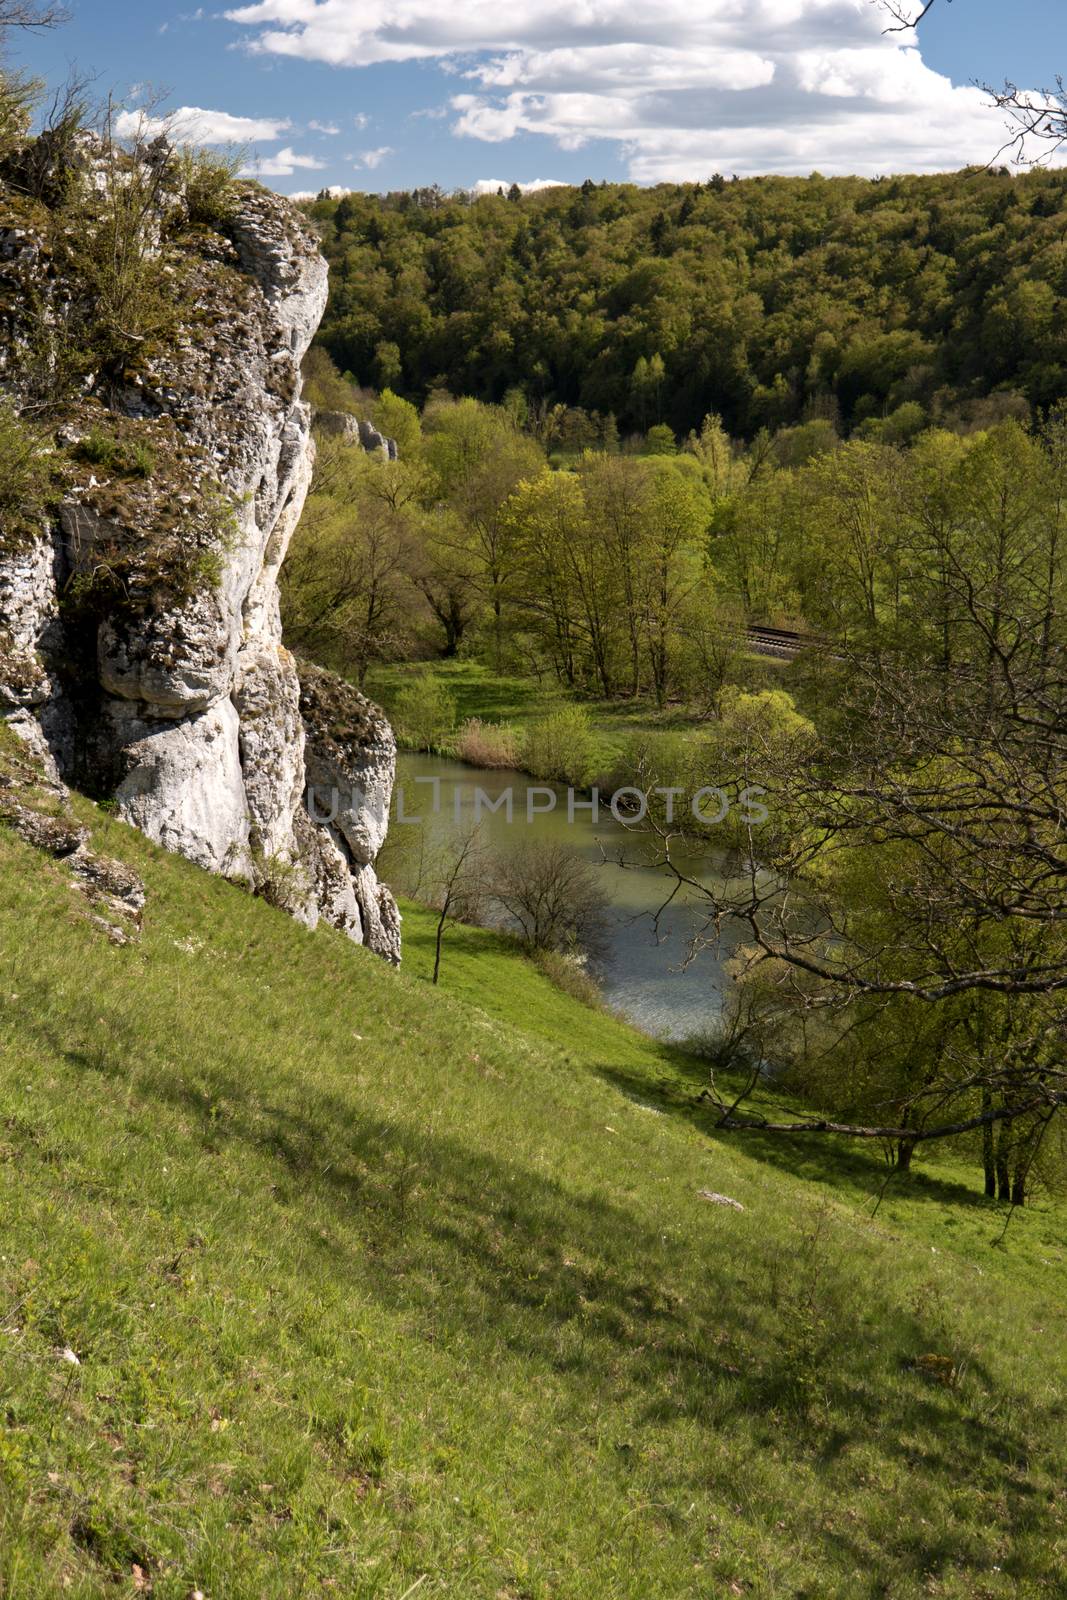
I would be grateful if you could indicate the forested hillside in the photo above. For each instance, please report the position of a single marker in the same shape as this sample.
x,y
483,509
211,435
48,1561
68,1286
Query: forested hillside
x,y
767,300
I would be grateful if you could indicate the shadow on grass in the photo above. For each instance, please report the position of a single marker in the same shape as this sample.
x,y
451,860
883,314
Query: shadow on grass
x,y
497,1262
836,1163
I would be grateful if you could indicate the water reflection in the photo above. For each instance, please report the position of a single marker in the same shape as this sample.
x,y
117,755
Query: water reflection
x,y
643,973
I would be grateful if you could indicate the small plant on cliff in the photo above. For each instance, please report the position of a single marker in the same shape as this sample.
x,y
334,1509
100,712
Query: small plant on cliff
x,y
207,185
25,473
282,884
121,231
116,248
128,458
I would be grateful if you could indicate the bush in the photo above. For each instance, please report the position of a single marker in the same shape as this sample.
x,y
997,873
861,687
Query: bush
x,y
208,185
127,458
660,441
561,747
551,895
643,760
487,744
568,973
17,98
326,389
424,713
25,475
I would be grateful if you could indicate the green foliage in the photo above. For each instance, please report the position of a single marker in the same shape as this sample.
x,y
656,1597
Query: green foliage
x,y
325,388
18,97
561,747
280,882
425,712
129,458
660,441
26,459
206,181
346,583
118,217
397,419
761,301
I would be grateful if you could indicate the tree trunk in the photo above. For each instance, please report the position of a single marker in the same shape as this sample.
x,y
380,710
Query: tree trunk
x,y
437,944
1003,1161
988,1164
904,1154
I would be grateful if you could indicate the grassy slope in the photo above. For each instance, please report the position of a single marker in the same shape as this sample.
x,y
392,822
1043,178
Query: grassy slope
x,y
376,1293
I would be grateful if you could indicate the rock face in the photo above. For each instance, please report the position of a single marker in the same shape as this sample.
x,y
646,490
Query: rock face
x,y
354,432
37,808
140,639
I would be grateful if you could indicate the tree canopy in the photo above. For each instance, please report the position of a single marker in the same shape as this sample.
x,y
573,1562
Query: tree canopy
x,y
768,301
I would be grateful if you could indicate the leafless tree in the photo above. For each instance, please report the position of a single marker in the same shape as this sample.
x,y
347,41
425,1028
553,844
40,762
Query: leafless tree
x,y
1036,118
460,888
31,14
552,895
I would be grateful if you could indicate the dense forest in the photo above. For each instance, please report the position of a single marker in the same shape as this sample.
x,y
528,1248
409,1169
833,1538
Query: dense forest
x,y
767,301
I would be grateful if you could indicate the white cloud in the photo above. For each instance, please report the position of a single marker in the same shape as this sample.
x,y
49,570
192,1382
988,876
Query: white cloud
x,y
334,191
331,129
361,120
374,158
684,88
282,165
193,125
491,185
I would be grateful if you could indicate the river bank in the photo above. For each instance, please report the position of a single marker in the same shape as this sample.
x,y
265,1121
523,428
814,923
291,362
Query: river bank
x,y
518,703
661,968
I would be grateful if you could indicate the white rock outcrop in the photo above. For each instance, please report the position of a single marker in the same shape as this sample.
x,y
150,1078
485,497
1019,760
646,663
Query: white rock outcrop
x,y
140,637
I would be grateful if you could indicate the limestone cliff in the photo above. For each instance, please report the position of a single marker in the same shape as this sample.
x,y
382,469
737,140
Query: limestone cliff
x,y
140,641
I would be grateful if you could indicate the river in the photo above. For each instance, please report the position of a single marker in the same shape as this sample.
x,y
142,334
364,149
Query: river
x,y
643,974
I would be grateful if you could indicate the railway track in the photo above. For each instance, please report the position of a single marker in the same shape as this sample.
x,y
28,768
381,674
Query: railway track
x,y
780,641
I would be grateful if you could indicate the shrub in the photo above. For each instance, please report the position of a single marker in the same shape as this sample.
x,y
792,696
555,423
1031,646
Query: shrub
x,y
487,744
25,475
568,973
326,389
208,185
561,747
17,98
660,441
127,458
424,713
551,895
281,883
111,233
643,760
397,419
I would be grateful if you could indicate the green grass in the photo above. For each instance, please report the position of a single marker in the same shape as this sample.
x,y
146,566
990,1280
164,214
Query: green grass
x,y
498,697
379,1290
478,692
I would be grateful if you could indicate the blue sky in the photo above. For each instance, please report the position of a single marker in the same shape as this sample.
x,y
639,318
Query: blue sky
x,y
377,94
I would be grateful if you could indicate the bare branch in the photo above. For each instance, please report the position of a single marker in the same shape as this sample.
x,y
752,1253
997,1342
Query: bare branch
x,y
32,14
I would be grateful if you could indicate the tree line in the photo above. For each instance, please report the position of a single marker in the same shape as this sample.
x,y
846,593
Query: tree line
x,y
767,301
